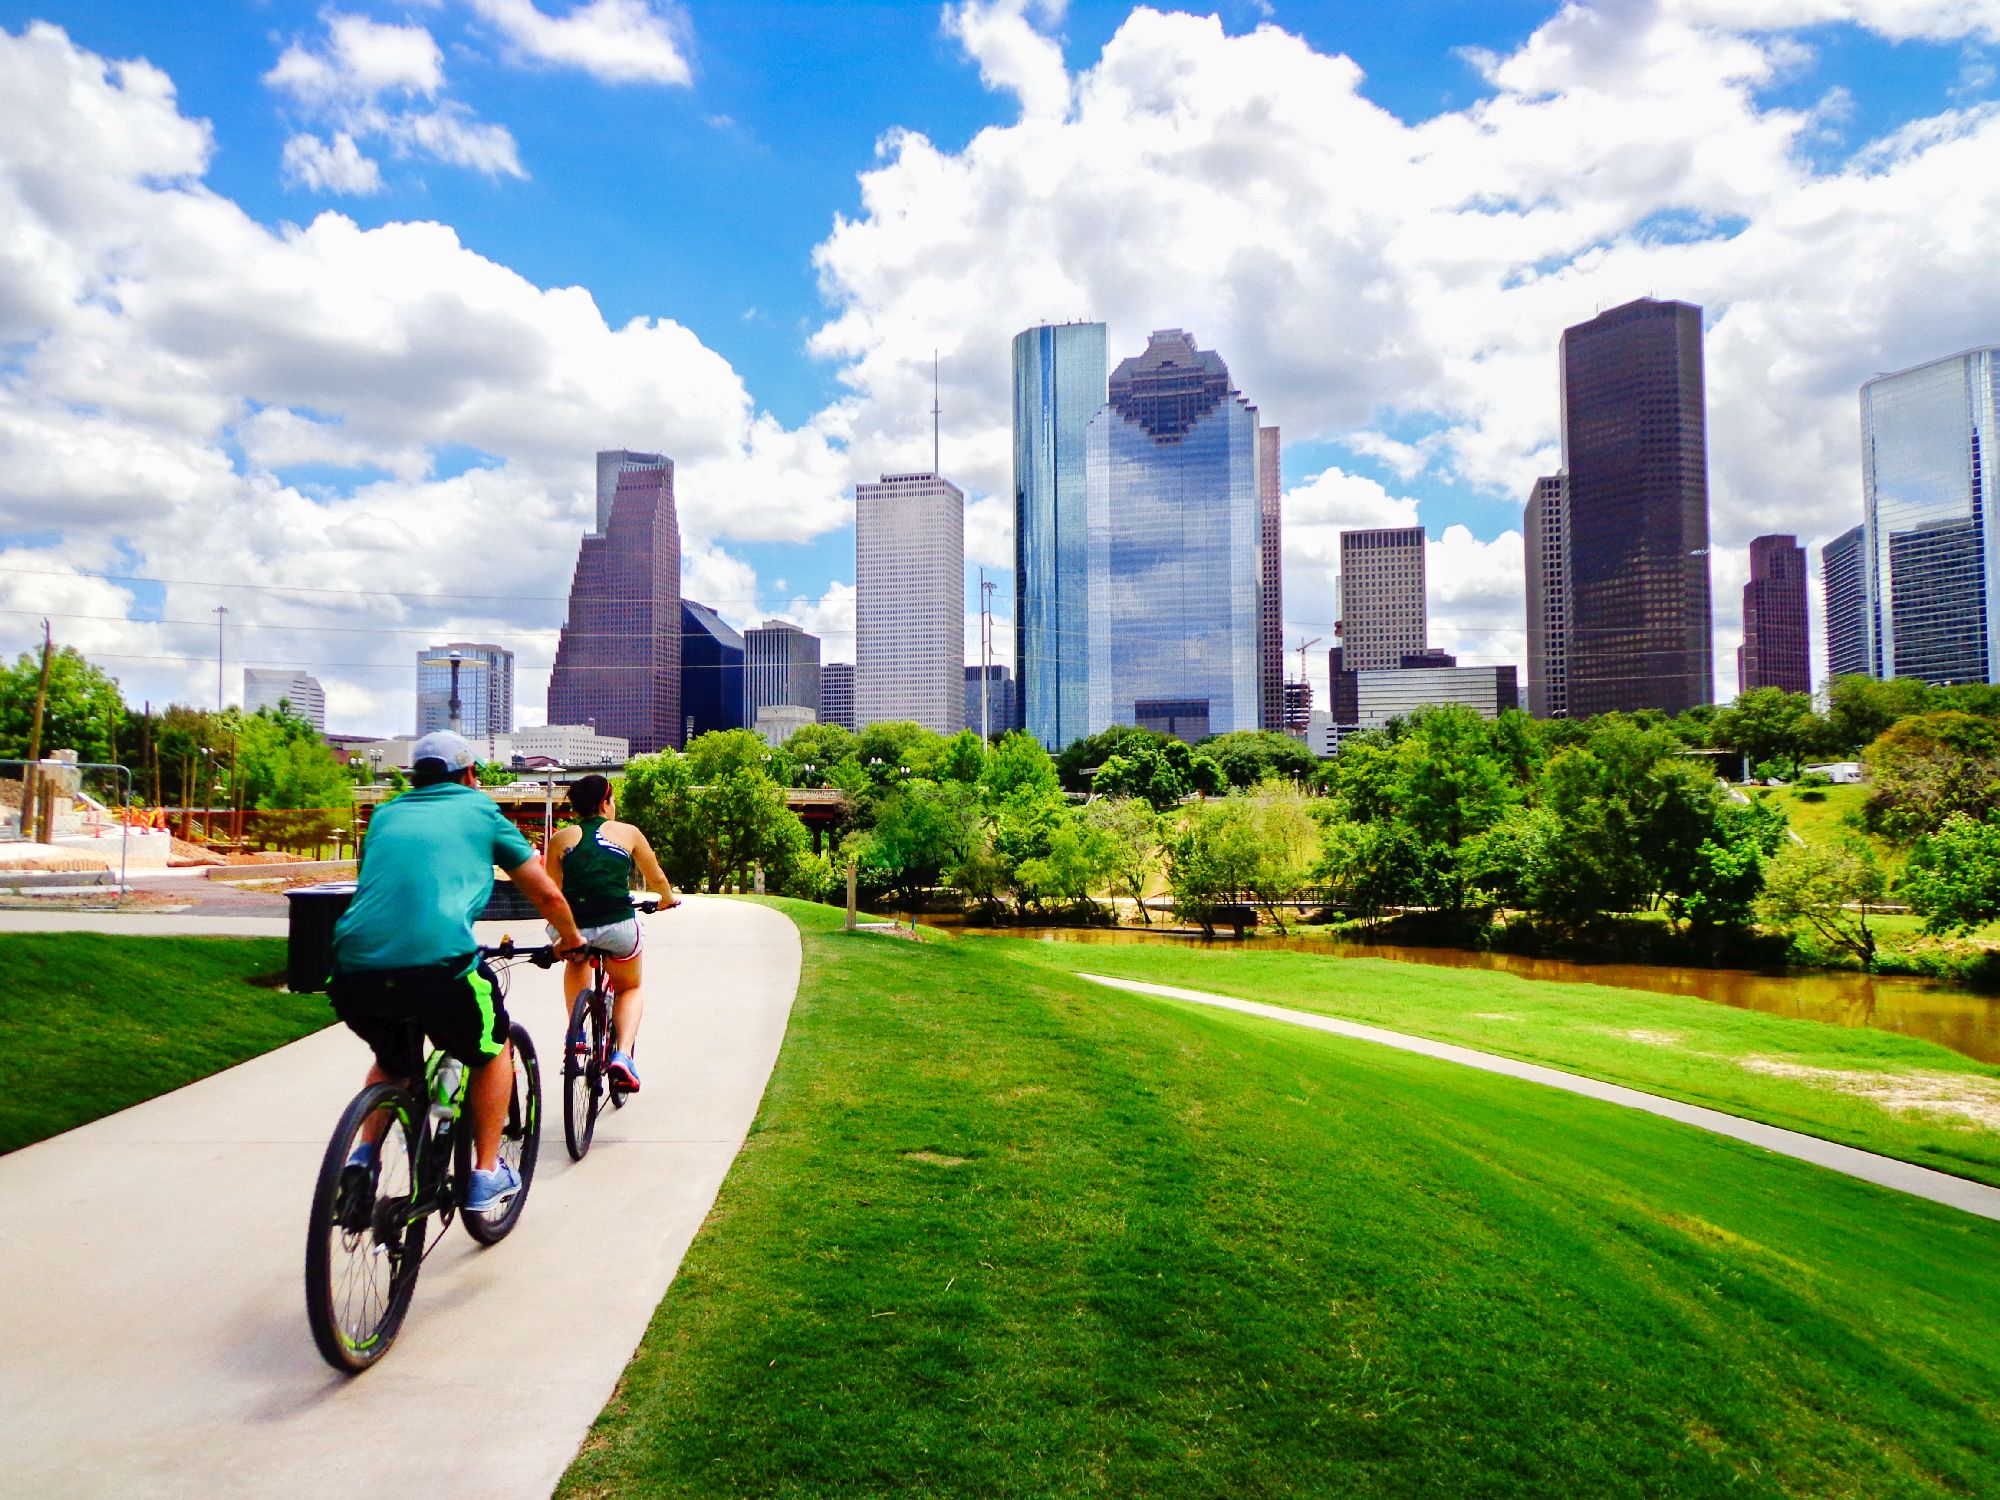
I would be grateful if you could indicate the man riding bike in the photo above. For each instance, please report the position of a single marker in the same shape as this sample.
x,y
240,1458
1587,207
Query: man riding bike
x,y
404,957
591,863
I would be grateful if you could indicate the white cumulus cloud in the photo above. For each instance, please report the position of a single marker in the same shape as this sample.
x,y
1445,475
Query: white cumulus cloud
x,y
615,41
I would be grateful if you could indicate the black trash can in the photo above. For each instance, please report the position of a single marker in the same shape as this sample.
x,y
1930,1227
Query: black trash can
x,y
314,910
507,904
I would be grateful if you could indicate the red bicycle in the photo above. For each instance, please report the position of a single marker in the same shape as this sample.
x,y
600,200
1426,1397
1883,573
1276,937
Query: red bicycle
x,y
587,1081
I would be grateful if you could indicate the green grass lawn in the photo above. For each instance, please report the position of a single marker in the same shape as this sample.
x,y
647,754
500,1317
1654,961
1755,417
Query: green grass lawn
x,y
1666,1044
1834,814
92,1024
999,1232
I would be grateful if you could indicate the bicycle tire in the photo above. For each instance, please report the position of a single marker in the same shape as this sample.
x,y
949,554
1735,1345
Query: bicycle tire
x,y
520,1142
393,1232
583,1075
618,1097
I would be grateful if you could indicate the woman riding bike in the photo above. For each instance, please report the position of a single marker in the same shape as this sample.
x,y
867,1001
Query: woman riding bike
x,y
591,863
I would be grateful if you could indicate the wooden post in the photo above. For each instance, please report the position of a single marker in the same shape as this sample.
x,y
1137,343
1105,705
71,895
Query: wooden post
x,y
850,895
29,779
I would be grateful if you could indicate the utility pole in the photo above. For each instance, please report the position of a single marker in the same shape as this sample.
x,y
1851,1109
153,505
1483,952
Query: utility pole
x,y
221,618
985,657
29,780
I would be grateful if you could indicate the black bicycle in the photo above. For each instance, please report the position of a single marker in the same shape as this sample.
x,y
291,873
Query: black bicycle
x,y
587,1081
368,1235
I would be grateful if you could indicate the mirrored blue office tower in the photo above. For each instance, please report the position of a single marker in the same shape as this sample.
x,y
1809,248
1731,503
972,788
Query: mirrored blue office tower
x,y
1175,562
1059,385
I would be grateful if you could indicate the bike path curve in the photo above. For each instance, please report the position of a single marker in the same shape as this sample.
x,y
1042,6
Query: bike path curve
x,y
151,1263
1884,1171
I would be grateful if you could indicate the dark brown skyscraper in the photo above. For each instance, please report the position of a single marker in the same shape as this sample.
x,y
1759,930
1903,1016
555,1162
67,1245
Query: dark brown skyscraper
x,y
618,664
1271,601
1774,652
1636,448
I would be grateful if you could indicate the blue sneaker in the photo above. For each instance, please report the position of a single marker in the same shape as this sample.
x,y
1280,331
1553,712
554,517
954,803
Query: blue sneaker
x,y
623,1074
492,1191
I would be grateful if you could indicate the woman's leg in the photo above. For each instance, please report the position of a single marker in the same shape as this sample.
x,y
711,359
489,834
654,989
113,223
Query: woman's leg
x,y
629,1006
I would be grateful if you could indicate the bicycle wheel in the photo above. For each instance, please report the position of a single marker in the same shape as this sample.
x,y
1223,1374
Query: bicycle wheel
x,y
583,1074
520,1142
365,1240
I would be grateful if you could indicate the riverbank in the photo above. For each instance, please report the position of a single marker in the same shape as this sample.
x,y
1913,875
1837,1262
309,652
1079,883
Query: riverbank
x,y
1874,1089
1001,1232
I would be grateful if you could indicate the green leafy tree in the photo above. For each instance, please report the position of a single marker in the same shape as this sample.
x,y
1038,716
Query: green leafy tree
x,y
1247,757
492,773
1377,867
84,711
1449,788
1770,724
821,746
1931,766
1212,859
922,829
1081,757
1016,761
1162,772
282,762
1827,887
1861,709
1726,876
1074,860
960,759
1287,840
1952,879
1131,833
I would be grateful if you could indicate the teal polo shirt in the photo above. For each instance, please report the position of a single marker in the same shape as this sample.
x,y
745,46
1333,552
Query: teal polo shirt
x,y
426,872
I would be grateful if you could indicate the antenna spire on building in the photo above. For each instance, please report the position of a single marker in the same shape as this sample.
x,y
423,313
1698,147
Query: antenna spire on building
x,y
936,414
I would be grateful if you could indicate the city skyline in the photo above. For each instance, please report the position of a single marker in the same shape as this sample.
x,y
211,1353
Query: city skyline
x,y
765,300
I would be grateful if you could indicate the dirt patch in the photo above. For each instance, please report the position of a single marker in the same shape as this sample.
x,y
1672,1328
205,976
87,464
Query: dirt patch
x,y
1651,1038
1960,1096
935,1158
1493,1015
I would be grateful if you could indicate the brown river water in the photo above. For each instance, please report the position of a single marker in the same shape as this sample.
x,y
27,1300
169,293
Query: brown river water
x,y
1960,1019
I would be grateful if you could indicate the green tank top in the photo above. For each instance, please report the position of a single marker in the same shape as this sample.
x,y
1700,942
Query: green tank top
x,y
597,877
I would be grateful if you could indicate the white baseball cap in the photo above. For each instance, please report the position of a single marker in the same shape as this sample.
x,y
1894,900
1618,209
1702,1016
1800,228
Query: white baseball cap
x,y
442,745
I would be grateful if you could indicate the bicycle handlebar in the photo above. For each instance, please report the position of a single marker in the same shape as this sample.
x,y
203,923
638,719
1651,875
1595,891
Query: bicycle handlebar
x,y
545,956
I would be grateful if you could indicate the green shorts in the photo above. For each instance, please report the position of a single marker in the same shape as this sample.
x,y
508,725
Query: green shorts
x,y
459,1007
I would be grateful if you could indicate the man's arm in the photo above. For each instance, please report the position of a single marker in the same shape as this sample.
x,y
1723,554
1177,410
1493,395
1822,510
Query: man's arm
x,y
532,881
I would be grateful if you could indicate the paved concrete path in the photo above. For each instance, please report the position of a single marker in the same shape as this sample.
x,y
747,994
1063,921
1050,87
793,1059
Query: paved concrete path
x,y
142,923
151,1263
1921,1182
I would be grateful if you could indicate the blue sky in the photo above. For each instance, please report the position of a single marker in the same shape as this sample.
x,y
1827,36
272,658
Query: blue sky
x,y
712,202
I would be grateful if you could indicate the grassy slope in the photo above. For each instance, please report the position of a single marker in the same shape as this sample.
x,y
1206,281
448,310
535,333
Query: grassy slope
x,y
1188,1253
93,1024
1582,1027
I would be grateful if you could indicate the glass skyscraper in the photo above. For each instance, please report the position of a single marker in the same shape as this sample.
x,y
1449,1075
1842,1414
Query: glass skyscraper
x,y
1845,593
1174,548
711,671
1059,384
1929,544
1635,445
485,689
